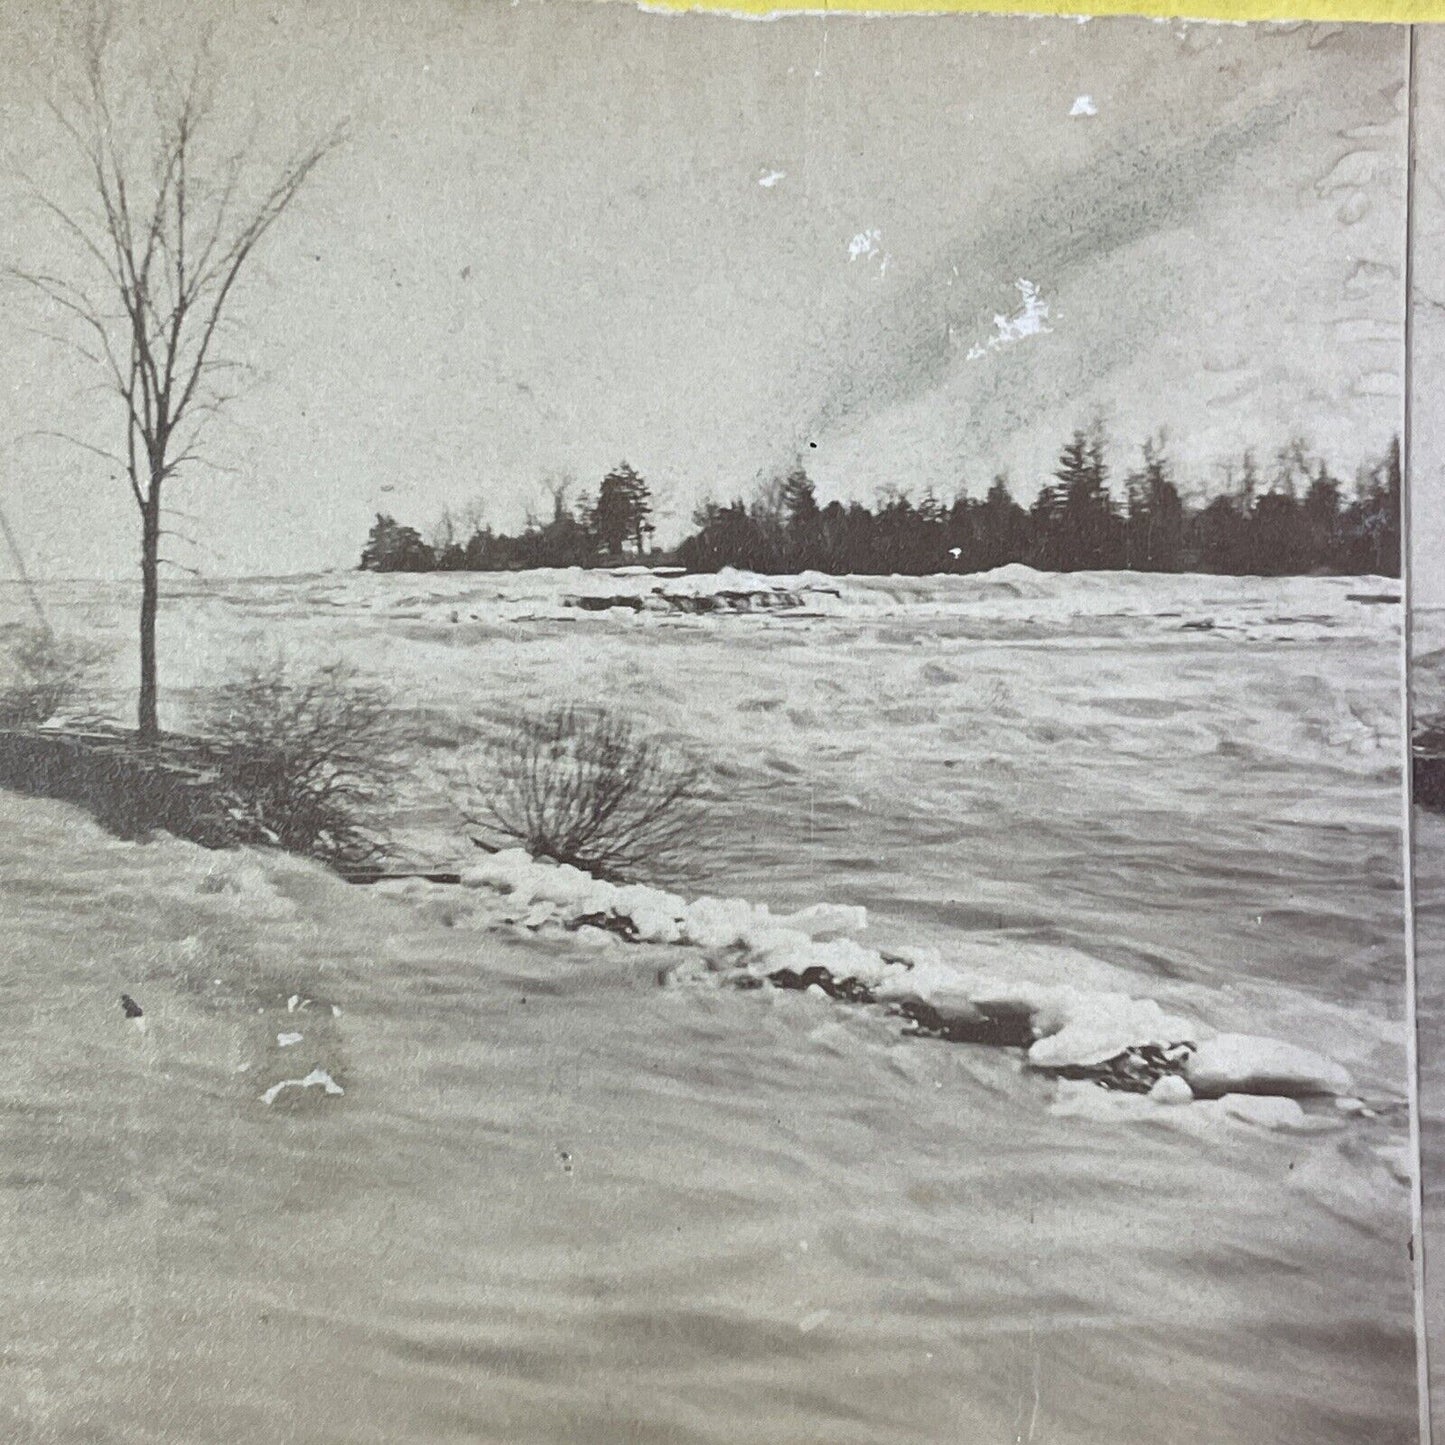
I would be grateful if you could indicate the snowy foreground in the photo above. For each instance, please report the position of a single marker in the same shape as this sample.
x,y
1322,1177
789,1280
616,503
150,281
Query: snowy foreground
x,y
428,1162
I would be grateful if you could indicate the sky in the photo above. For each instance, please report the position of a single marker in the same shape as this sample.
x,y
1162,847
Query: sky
x,y
911,252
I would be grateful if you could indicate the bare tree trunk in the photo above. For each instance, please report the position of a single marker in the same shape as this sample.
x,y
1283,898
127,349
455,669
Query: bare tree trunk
x,y
148,725
169,235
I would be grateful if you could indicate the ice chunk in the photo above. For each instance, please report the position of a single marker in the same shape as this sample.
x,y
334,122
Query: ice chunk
x,y
1268,1112
656,915
655,925
538,914
826,920
573,891
595,937
504,870
1246,1064
718,922
840,958
1083,1029
778,947
944,996
1171,1089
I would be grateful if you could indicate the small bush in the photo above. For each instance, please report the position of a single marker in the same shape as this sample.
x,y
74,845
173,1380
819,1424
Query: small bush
x,y
44,676
307,758
587,787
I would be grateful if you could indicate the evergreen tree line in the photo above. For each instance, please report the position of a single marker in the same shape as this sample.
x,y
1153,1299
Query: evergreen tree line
x,y
593,531
1295,517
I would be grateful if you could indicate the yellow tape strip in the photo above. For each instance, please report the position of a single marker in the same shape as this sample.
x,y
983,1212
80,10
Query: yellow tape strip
x,y
1396,12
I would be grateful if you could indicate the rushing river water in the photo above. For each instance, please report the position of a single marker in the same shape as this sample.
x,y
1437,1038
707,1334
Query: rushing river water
x,y
556,1201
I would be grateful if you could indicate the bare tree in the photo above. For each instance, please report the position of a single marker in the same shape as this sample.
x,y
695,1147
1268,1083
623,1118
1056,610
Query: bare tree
x,y
589,787
308,755
163,238
471,517
557,487
443,533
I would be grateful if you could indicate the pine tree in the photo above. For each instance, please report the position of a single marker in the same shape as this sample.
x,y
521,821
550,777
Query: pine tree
x,y
1322,522
1083,526
394,548
799,499
1155,525
1002,527
624,504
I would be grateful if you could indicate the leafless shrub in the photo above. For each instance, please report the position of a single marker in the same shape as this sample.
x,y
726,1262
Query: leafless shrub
x,y
44,676
307,757
586,786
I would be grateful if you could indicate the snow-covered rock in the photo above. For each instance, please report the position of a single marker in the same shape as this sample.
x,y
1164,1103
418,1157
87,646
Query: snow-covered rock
x,y
504,871
840,958
1055,1003
1077,1030
1171,1089
570,889
1247,1064
718,922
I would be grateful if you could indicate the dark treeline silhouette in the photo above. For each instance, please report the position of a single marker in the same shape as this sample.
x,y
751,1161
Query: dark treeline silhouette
x,y
1298,517
594,531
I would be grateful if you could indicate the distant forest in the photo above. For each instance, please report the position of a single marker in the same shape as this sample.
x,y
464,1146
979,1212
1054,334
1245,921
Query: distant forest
x,y
1293,516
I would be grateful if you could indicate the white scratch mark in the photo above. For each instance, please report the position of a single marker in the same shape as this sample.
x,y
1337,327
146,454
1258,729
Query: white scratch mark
x,y
868,246
1021,1438
771,178
1031,319
864,244
315,1077
1084,105
286,1040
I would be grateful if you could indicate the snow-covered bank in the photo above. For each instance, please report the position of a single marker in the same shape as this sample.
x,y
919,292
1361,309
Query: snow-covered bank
x,y
983,992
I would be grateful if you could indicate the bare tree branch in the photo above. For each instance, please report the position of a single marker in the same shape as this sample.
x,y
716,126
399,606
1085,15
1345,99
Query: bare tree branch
x,y
167,238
